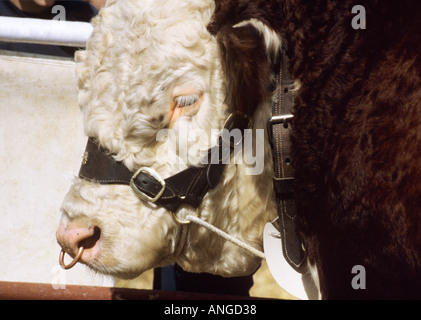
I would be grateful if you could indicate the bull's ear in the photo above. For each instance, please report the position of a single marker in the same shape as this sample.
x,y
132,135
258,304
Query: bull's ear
x,y
247,51
229,12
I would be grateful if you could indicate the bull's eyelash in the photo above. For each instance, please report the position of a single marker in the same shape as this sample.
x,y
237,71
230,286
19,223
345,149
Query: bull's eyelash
x,y
186,101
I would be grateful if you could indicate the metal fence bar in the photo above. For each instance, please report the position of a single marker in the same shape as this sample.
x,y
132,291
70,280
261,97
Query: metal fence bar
x,y
34,291
27,30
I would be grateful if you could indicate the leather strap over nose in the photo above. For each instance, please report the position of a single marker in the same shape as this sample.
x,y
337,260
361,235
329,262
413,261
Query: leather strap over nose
x,y
100,166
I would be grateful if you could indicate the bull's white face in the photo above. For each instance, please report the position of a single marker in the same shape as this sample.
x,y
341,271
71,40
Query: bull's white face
x,y
152,65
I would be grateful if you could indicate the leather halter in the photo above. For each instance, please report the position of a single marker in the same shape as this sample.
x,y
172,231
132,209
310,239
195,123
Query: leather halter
x,y
187,187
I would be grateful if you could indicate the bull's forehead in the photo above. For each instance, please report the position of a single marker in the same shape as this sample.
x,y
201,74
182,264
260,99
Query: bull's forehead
x,y
138,53
156,40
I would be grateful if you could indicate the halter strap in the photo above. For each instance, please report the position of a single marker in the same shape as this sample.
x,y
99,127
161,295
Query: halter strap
x,y
187,187
280,130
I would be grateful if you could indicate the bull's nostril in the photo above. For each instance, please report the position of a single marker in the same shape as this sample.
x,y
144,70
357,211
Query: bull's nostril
x,y
90,242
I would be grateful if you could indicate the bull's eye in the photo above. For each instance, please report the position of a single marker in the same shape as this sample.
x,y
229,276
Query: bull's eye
x,y
186,101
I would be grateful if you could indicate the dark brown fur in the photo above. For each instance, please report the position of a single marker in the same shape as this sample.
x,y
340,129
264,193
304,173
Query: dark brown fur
x,y
249,85
357,132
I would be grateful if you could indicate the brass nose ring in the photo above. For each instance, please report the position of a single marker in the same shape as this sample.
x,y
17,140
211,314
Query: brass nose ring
x,y
75,260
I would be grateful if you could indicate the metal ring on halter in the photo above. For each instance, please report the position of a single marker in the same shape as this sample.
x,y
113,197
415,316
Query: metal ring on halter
x,y
182,222
178,221
75,260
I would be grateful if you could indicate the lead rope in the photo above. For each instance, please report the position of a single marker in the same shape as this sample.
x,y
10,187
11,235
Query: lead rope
x,y
226,236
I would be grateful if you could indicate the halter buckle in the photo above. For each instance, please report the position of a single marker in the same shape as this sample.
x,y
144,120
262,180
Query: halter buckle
x,y
285,119
154,175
